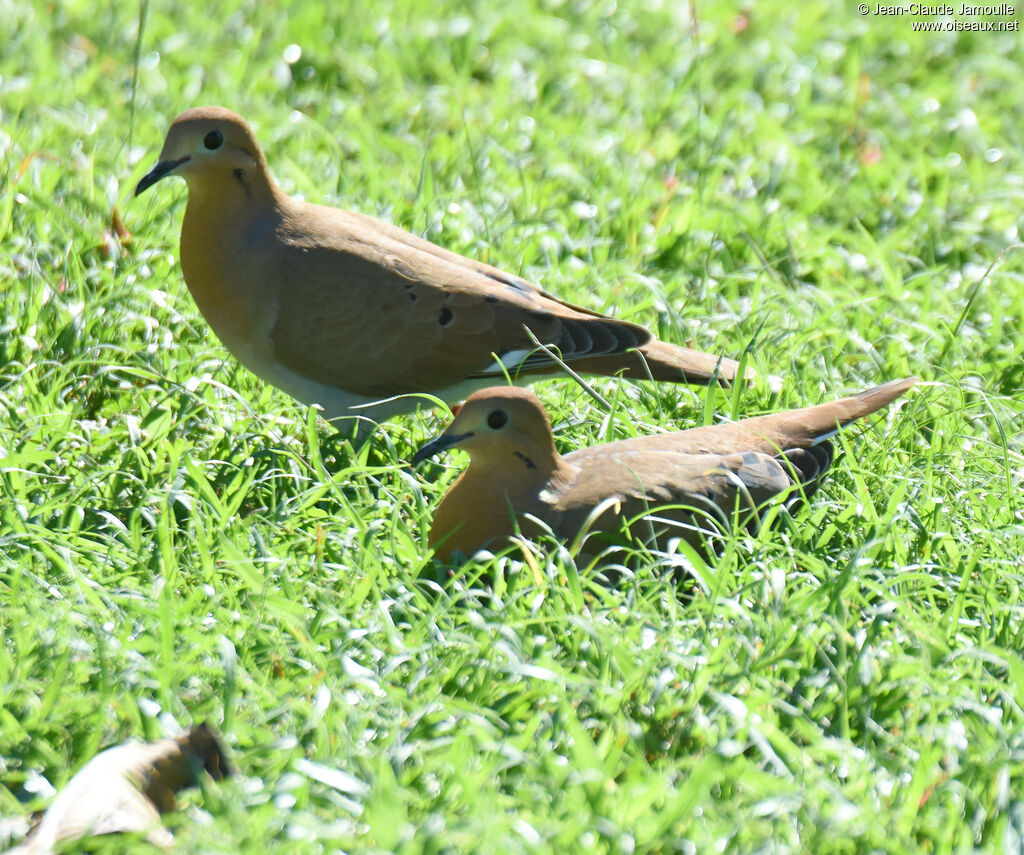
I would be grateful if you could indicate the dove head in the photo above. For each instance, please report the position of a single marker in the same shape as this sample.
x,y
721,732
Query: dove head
x,y
503,427
211,148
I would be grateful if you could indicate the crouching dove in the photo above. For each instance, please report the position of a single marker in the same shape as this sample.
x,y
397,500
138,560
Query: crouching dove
x,y
692,477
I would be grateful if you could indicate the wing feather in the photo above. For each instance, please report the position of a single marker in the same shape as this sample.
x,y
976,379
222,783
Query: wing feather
x,y
430,318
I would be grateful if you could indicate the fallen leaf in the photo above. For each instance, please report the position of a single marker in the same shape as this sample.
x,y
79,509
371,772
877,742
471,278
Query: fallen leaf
x,y
125,789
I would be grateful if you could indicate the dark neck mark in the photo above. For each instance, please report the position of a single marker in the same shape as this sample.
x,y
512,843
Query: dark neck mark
x,y
529,463
240,177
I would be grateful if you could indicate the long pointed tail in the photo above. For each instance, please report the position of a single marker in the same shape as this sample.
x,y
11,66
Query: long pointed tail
x,y
779,432
659,360
810,425
822,421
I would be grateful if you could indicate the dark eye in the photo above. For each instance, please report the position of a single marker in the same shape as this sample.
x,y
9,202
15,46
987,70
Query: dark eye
x,y
213,140
497,420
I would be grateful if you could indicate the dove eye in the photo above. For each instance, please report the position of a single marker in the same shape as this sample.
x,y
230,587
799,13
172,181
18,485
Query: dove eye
x,y
497,420
213,140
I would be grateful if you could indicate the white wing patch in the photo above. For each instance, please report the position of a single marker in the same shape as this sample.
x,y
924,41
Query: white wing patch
x,y
510,361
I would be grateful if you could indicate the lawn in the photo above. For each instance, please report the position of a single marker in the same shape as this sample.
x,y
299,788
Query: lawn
x,y
833,193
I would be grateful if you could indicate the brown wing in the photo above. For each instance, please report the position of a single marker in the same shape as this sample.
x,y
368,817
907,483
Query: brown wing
x,y
699,493
377,311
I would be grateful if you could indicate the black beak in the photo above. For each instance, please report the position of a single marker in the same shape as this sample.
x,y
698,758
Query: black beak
x,y
437,445
164,167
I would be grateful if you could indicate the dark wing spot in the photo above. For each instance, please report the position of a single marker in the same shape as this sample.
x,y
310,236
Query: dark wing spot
x,y
529,463
490,298
445,317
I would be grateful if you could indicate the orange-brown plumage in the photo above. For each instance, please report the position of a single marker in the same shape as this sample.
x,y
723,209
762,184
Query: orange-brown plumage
x,y
715,472
341,309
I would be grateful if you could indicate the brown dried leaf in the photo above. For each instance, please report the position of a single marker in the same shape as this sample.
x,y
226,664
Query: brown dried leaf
x,y
125,789
118,227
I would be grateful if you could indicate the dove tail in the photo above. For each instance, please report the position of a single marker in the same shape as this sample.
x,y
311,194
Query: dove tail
x,y
659,360
812,425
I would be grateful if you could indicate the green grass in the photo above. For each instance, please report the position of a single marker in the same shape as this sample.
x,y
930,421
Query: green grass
x,y
179,542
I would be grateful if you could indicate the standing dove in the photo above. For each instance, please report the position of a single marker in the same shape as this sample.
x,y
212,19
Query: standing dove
x,y
346,311
712,472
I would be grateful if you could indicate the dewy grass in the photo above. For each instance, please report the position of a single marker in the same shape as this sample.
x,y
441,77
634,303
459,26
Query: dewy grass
x,y
180,542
